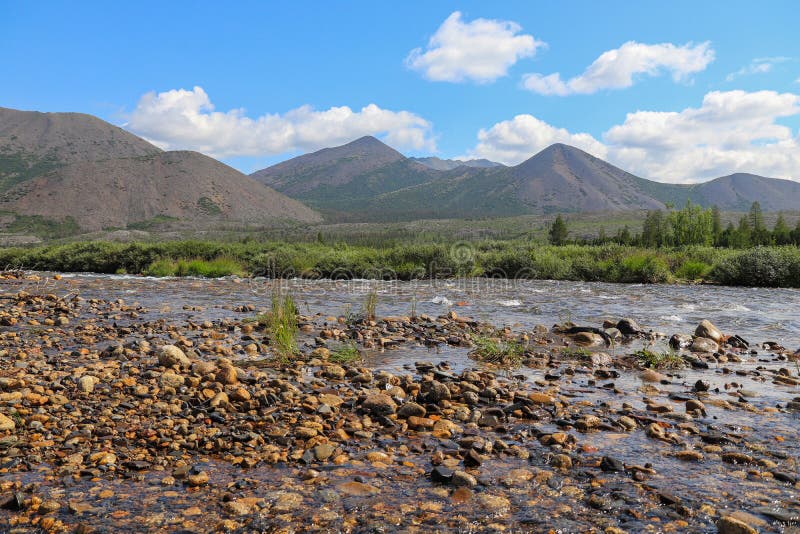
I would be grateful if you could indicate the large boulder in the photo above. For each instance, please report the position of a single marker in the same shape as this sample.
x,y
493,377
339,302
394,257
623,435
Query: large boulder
x,y
629,327
707,329
379,404
703,344
169,355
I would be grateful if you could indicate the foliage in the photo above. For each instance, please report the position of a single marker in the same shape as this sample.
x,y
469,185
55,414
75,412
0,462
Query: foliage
x,y
370,303
760,267
500,353
281,321
660,360
215,268
644,267
347,353
521,259
693,270
558,231
42,227
208,207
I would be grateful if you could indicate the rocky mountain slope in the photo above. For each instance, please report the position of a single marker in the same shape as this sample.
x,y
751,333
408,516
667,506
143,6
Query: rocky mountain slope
x,y
379,184
78,168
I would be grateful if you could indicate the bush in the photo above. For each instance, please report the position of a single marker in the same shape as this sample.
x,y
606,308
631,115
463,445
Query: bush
x,y
643,268
693,270
760,267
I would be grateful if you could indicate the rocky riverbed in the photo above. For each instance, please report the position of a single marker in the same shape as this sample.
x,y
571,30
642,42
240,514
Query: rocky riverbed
x,y
136,405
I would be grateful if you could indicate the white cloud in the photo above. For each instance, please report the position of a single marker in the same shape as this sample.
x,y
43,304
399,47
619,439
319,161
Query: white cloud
x,y
617,69
516,140
760,65
185,119
734,131
481,50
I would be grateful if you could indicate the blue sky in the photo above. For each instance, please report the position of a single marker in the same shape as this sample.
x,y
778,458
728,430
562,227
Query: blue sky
x,y
716,84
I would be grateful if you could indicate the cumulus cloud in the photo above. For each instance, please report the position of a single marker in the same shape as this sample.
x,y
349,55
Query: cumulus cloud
x,y
186,119
481,50
733,131
618,68
516,140
760,65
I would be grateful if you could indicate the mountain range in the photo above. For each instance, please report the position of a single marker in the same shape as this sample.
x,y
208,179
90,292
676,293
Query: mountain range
x,y
368,181
76,168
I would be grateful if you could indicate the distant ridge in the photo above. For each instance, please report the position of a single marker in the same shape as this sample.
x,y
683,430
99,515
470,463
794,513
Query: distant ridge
x,y
450,164
70,166
348,183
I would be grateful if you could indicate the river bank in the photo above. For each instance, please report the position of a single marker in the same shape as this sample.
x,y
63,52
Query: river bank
x,y
514,260
152,405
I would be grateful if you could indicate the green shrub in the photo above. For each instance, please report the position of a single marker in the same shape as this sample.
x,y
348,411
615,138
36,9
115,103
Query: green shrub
x,y
693,270
760,267
161,268
643,268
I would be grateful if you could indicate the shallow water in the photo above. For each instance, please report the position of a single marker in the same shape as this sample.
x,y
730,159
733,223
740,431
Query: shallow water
x,y
758,315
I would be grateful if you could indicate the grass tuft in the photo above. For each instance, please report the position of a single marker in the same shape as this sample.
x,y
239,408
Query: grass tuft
x,y
496,352
660,360
347,353
370,303
281,321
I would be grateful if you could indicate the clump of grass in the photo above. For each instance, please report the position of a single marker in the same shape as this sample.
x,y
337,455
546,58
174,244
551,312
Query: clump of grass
x,y
500,353
693,270
347,353
281,321
218,267
660,360
370,303
573,353
214,268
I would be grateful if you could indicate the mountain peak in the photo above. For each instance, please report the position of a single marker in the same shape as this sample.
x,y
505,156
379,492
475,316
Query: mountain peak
x,y
334,166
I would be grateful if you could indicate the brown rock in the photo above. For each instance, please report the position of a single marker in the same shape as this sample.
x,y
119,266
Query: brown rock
x,y
379,404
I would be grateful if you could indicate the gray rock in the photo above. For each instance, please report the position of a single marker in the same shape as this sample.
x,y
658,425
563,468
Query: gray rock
x,y
462,478
170,355
680,341
629,327
704,344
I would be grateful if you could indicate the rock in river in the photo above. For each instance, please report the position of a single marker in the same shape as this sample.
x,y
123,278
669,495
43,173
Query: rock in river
x,y
704,344
708,330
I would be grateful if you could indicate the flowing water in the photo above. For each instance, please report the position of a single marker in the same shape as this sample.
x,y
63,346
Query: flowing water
x,y
758,315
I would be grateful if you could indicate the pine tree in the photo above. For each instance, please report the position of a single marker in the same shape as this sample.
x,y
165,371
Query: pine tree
x,y
781,234
759,235
558,231
716,222
653,234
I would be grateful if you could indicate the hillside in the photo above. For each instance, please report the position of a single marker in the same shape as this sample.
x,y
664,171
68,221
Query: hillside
x,y
78,168
344,180
352,184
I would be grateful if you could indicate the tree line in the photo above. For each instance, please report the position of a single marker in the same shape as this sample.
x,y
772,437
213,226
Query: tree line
x,y
692,225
